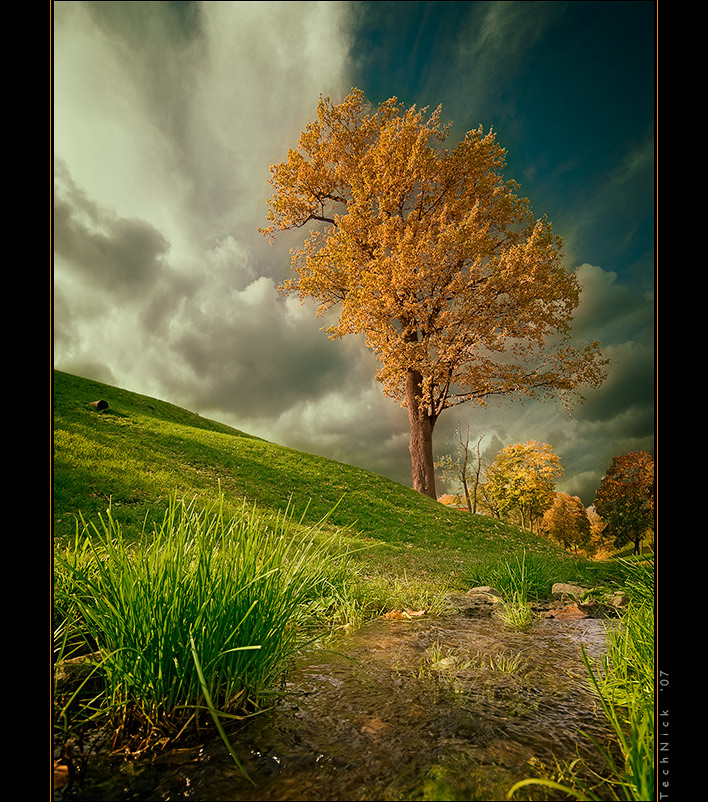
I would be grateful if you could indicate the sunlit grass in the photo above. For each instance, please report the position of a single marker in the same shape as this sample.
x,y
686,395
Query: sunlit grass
x,y
531,574
200,592
140,451
506,663
517,582
153,607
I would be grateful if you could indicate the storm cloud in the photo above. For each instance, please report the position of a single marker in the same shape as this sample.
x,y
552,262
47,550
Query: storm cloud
x,y
167,117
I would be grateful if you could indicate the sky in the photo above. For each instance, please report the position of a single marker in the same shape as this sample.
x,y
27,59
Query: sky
x,y
166,119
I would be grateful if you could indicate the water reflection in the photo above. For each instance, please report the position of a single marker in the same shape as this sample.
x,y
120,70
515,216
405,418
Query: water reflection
x,y
445,708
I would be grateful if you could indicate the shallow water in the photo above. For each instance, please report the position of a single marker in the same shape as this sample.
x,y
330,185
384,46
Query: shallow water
x,y
454,708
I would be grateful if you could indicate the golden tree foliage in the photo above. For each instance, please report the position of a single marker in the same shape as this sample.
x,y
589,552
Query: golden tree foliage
x,y
599,545
522,477
566,521
433,257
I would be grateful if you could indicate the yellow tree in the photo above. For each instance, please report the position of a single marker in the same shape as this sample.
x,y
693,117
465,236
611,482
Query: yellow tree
x,y
598,536
522,477
433,257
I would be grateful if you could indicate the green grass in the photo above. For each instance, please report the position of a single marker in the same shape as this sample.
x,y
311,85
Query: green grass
x,y
199,592
140,452
627,686
192,560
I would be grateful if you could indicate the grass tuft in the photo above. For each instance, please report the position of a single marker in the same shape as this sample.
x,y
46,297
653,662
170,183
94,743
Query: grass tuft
x,y
200,595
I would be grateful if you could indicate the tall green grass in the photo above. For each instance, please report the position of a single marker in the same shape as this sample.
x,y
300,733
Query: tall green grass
x,y
516,580
627,686
227,597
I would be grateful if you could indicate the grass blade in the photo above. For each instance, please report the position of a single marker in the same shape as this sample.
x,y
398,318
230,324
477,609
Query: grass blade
x,y
213,711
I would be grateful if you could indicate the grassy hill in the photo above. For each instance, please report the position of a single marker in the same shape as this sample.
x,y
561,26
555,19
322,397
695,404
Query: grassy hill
x,y
140,451
207,613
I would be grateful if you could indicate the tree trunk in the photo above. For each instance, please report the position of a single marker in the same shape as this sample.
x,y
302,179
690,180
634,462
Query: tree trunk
x,y
421,443
467,493
463,472
478,470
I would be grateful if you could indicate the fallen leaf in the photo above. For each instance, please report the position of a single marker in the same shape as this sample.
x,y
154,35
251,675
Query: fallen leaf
x,y
61,774
399,614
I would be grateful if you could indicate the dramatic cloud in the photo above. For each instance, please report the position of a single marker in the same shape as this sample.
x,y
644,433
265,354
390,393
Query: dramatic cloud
x,y
164,139
167,117
118,257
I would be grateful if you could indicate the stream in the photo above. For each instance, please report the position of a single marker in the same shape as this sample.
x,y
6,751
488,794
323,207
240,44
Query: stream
x,y
456,707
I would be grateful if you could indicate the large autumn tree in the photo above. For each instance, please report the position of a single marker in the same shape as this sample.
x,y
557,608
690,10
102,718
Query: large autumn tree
x,y
433,257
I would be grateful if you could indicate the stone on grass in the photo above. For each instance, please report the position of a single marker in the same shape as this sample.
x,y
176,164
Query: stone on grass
x,y
561,589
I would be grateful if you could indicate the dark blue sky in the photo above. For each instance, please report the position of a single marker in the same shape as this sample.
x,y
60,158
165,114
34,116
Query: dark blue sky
x,y
167,117
573,98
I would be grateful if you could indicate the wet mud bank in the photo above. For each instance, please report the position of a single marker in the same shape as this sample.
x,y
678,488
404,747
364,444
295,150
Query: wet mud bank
x,y
457,707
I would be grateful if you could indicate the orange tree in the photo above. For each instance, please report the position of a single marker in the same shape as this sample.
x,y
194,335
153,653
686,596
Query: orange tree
x,y
567,522
433,257
625,498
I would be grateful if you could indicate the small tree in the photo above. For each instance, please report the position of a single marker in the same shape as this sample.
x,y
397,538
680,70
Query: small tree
x,y
625,498
598,537
567,522
465,467
434,258
522,477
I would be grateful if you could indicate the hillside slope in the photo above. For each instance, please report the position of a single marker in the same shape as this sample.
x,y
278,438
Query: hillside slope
x,y
140,450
